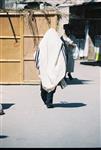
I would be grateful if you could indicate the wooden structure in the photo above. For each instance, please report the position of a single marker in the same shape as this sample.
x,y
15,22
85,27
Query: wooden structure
x,y
20,33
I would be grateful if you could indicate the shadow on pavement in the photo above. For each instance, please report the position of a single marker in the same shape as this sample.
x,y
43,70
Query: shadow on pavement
x,y
69,105
3,136
7,105
91,63
76,81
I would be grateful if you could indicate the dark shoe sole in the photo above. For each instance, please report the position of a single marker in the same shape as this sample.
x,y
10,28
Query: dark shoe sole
x,y
2,112
70,78
50,106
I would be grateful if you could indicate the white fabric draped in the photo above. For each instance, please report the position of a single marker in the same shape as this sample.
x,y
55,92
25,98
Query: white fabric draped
x,y
51,61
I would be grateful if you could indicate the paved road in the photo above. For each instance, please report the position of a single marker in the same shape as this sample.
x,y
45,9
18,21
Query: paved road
x,y
73,122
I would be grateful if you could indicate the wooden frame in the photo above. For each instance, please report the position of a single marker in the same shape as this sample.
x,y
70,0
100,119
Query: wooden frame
x,y
17,45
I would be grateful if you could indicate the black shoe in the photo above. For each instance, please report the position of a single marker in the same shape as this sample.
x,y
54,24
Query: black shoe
x,y
2,112
70,76
49,105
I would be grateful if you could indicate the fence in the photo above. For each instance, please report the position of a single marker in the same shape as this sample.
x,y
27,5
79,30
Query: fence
x,y
20,33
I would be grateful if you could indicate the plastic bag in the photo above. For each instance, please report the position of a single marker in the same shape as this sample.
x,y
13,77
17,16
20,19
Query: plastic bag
x,y
76,53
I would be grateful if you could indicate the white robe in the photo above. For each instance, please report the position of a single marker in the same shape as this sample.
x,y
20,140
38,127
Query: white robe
x,y
51,60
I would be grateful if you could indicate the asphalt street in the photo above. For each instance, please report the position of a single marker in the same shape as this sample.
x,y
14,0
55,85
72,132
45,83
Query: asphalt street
x,y
74,122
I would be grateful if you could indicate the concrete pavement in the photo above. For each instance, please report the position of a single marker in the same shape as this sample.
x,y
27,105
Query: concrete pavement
x,y
74,122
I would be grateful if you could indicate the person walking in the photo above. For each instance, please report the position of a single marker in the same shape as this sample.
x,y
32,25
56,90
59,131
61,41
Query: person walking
x,y
70,48
51,63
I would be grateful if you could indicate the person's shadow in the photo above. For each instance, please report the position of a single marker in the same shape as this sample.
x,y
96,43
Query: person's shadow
x,y
3,136
76,81
69,105
91,63
7,105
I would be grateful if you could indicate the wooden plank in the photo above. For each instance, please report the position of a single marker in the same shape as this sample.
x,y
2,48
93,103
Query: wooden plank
x,y
42,24
30,71
32,82
21,46
10,60
10,49
33,36
9,37
35,22
29,47
10,72
10,25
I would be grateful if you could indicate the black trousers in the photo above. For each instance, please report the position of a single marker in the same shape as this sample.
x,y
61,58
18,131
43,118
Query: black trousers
x,y
47,97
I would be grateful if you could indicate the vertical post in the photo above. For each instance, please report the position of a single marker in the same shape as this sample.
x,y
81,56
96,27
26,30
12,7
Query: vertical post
x,y
22,46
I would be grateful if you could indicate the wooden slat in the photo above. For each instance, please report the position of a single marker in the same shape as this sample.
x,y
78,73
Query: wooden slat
x,y
10,49
10,25
33,36
30,71
9,37
10,60
29,46
22,46
10,72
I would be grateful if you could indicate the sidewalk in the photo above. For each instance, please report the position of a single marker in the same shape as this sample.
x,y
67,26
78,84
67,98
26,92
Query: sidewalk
x,y
73,122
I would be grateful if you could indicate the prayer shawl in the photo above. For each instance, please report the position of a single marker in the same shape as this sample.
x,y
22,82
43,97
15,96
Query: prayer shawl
x,y
50,60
